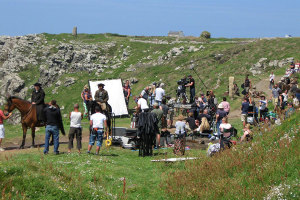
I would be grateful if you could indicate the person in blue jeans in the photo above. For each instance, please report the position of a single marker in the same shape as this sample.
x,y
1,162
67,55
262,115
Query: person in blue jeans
x,y
98,125
220,114
53,125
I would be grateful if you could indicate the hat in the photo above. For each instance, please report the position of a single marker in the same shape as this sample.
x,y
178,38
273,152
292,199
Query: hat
x,y
282,79
155,104
101,84
86,87
220,106
180,117
37,84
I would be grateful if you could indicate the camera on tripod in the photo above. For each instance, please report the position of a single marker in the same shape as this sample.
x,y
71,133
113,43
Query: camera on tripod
x,y
181,86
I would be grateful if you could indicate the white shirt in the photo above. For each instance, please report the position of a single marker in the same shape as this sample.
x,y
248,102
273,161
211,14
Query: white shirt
x,y
285,97
143,103
159,94
98,120
75,118
225,126
180,127
272,77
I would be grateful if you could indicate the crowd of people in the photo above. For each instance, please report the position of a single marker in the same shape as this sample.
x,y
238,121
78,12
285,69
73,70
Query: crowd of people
x,y
206,115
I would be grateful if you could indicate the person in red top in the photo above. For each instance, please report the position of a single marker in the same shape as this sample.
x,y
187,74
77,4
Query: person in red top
x,y
86,98
2,131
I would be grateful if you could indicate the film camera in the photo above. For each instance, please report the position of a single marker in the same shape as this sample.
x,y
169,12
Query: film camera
x,y
181,86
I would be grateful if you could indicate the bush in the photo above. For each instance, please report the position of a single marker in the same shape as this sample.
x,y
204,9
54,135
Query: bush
x,y
205,34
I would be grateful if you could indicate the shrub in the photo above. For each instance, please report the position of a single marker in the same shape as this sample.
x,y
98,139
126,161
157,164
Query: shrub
x,y
205,34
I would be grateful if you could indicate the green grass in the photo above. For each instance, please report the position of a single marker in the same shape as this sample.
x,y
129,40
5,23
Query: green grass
x,y
248,171
72,176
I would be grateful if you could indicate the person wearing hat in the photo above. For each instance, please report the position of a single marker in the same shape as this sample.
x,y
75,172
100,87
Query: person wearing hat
x,y
281,83
101,96
191,84
159,114
219,116
86,98
38,99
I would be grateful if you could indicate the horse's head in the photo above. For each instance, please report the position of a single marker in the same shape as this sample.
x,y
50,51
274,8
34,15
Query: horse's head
x,y
10,106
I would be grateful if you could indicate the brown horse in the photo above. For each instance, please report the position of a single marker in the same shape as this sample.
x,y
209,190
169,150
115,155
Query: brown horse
x,y
28,116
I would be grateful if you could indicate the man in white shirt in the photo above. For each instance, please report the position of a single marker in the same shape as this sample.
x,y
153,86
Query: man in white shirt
x,y
159,94
75,128
142,105
98,124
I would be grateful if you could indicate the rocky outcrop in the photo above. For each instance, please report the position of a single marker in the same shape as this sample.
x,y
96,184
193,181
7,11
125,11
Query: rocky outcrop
x,y
264,63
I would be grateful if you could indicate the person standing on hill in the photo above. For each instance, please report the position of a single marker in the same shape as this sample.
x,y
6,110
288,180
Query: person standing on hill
x,y
99,126
247,84
86,98
38,99
75,128
220,114
101,96
272,80
53,124
275,95
191,84
159,94
226,105
2,130
159,114
244,108
127,92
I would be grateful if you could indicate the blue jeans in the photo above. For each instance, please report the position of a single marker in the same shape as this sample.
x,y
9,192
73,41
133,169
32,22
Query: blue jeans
x,y
49,131
192,95
96,135
218,127
158,102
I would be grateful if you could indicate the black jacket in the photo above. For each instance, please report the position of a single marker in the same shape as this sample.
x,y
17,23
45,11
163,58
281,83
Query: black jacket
x,y
53,118
38,97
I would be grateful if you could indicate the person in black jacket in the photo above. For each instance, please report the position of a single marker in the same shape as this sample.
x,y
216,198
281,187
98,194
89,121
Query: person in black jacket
x,y
53,124
37,98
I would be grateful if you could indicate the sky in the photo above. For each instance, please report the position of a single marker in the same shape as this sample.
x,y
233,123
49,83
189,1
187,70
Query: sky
x,y
222,18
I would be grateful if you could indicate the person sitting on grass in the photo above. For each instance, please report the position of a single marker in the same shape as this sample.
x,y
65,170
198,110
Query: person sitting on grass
x,y
2,131
290,110
247,132
225,129
98,125
204,126
75,128
191,121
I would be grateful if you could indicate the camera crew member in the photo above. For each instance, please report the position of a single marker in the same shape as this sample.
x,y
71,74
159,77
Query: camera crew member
x,y
191,84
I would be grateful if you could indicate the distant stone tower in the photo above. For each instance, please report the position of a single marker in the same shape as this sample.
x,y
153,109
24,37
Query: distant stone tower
x,y
74,33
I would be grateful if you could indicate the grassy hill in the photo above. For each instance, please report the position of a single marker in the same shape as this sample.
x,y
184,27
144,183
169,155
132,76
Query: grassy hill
x,y
266,168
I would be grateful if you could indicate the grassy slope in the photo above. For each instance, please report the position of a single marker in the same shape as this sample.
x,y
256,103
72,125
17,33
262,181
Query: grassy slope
x,y
35,176
249,171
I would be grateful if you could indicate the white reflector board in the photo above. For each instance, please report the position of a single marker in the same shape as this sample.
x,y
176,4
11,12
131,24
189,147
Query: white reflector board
x,y
115,93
